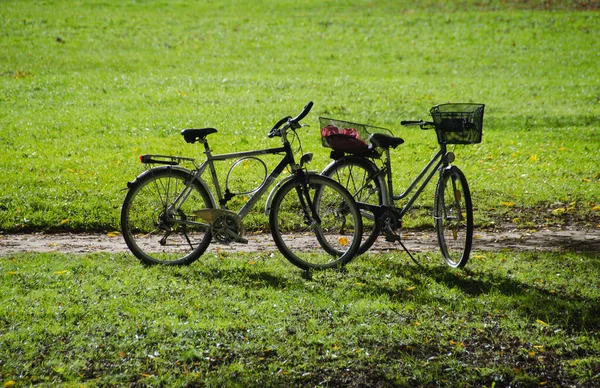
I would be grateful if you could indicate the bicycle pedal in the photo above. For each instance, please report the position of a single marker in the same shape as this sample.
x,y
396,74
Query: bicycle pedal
x,y
237,238
392,238
241,240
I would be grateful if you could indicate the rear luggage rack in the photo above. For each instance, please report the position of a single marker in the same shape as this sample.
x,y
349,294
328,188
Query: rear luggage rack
x,y
164,159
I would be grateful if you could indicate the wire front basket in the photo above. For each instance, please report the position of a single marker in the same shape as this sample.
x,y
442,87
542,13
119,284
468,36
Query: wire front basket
x,y
345,136
458,123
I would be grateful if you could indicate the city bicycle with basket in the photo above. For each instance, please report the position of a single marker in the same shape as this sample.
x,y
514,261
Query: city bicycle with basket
x,y
361,163
170,215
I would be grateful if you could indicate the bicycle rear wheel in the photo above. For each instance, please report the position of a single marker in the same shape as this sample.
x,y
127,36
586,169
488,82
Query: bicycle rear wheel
x,y
453,217
315,223
154,231
357,175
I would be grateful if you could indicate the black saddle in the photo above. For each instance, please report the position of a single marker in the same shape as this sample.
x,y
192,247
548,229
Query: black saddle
x,y
194,135
382,140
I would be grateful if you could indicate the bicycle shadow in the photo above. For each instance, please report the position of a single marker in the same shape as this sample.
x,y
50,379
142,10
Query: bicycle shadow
x,y
242,274
571,311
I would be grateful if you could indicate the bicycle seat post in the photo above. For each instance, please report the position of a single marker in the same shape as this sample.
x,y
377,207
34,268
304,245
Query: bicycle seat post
x,y
207,150
389,177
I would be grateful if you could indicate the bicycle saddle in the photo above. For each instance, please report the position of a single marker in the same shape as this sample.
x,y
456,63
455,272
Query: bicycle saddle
x,y
193,135
382,140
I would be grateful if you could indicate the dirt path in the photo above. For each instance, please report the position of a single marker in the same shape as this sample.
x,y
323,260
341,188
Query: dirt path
x,y
577,240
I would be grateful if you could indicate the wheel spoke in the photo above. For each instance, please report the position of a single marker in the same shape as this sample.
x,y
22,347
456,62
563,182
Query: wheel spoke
x,y
148,213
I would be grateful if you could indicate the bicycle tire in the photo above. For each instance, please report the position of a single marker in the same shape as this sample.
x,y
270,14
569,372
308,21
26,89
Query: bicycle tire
x,y
353,174
151,230
306,243
453,217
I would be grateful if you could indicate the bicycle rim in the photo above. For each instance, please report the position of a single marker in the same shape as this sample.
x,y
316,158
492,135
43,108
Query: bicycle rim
x,y
453,216
154,232
354,175
329,240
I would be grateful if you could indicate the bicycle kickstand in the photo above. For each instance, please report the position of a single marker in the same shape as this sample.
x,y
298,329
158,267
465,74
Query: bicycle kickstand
x,y
391,236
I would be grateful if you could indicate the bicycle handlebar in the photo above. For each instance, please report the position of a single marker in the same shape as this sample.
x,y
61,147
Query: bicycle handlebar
x,y
304,112
292,122
421,123
279,123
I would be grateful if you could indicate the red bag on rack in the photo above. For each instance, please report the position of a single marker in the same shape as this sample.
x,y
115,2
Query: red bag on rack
x,y
346,139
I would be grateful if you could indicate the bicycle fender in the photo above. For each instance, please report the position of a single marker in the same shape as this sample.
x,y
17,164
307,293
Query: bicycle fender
x,y
276,188
182,169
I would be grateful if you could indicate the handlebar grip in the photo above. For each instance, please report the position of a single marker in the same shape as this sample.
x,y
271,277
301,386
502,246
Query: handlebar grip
x,y
304,112
275,130
293,121
280,122
412,122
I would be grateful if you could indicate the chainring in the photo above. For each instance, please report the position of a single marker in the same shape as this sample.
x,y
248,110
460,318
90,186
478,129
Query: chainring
x,y
226,228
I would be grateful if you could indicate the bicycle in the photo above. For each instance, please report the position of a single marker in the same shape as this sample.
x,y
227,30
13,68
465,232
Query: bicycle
x,y
170,215
355,167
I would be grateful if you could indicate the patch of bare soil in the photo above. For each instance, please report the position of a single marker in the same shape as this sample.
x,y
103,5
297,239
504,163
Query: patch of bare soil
x,y
564,239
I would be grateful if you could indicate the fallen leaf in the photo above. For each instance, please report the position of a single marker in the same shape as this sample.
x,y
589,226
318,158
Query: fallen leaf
x,y
60,272
507,203
113,234
541,322
411,288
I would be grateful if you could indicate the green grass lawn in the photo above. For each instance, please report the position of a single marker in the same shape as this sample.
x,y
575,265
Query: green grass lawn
x,y
97,320
86,87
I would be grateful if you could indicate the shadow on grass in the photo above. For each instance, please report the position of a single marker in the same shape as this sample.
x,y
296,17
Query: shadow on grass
x,y
570,311
241,275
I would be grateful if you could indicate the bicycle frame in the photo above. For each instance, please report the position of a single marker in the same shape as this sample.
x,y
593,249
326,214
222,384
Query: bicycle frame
x,y
259,192
438,162
209,163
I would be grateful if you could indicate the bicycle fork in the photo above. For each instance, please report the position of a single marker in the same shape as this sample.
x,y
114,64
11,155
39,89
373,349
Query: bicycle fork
x,y
310,214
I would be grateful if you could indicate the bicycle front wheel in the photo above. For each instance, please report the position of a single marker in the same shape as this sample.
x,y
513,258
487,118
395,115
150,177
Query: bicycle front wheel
x,y
453,217
155,230
315,223
359,177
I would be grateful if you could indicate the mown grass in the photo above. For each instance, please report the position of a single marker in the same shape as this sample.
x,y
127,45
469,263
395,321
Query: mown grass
x,y
512,319
85,87
88,86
